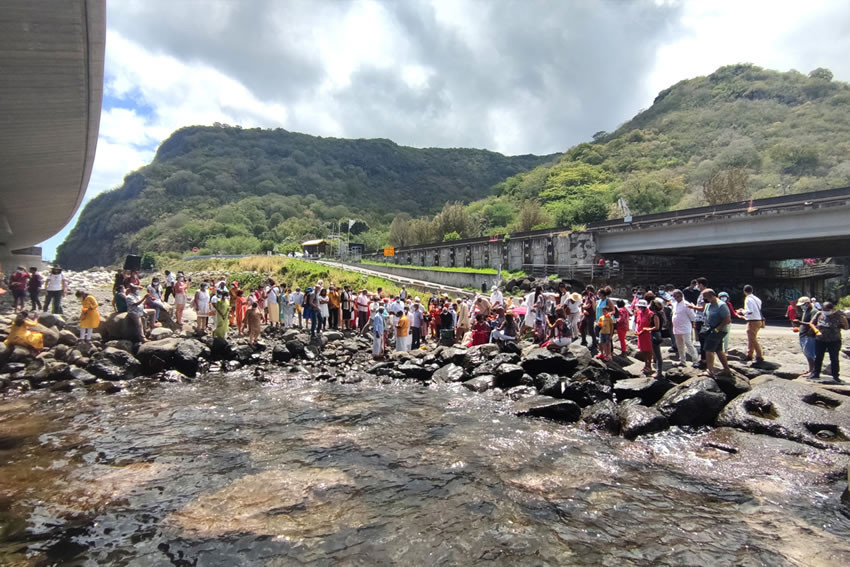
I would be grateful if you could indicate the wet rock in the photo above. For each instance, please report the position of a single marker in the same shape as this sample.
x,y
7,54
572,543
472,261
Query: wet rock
x,y
791,410
60,351
490,366
543,360
5,352
174,376
189,355
602,416
161,333
510,347
450,373
85,348
733,385
352,377
381,368
105,387
231,365
648,390
596,372
241,353
549,408
81,375
5,382
508,375
521,392
67,338
584,392
636,420
281,354
451,355
13,368
415,371
113,364
64,386
480,383
157,356
118,327
693,402
549,384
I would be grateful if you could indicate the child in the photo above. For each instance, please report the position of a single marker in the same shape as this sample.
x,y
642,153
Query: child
x,y
623,316
606,329
89,316
239,310
254,319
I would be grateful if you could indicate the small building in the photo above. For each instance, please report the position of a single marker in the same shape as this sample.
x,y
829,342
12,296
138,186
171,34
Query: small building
x,y
356,248
316,248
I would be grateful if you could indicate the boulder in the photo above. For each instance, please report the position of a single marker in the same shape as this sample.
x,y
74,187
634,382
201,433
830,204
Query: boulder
x,y
693,402
414,371
733,385
161,333
281,354
118,327
636,420
451,355
51,336
5,352
126,346
791,410
81,375
549,385
508,375
64,386
333,336
480,383
596,372
51,320
648,390
21,354
584,392
490,366
113,364
67,337
543,360
240,352
549,408
157,356
296,348
581,353
450,373
602,416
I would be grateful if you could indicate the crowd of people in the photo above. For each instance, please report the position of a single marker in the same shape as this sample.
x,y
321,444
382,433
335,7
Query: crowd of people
x,y
696,319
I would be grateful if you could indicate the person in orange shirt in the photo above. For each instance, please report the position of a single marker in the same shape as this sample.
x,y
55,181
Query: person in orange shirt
x,y
402,336
234,304
333,307
238,310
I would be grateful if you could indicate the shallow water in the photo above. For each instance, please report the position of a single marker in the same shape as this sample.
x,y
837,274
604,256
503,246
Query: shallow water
x,y
228,471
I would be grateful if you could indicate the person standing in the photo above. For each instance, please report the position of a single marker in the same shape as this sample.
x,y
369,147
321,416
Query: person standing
x,y
755,322
402,336
378,334
201,305
807,333
179,288
588,311
18,283
496,297
286,309
297,300
34,288
89,316
791,312
643,320
254,321
462,320
315,313
402,295
170,280
56,287
324,308
333,307
274,308
829,323
362,304
136,311
222,310
683,328
623,316
417,323
717,320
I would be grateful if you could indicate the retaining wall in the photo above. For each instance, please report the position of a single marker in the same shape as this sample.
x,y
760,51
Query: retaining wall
x,y
454,279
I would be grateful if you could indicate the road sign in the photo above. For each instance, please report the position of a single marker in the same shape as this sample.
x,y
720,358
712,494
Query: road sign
x,y
389,251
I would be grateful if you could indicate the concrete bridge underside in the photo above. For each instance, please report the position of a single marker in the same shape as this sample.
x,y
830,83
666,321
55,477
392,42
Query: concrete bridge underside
x,y
51,90
802,232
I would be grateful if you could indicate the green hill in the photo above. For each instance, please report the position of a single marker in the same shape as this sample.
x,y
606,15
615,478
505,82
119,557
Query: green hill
x,y
231,190
739,133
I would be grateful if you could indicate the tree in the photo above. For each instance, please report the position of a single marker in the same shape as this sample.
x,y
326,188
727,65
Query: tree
x,y
531,215
454,218
822,74
400,230
726,186
451,236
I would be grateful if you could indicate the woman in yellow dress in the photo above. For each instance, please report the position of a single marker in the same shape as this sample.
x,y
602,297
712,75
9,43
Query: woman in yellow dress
x,y
19,334
89,316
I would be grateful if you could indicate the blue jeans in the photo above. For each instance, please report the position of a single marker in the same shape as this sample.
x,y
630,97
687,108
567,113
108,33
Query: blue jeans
x,y
56,298
318,322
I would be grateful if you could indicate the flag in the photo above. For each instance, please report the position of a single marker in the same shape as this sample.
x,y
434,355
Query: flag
x,y
351,222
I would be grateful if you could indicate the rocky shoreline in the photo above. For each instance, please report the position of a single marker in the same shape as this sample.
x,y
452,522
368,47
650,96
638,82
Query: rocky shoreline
x,y
567,386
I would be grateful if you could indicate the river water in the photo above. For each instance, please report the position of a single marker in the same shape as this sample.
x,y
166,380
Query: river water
x,y
229,471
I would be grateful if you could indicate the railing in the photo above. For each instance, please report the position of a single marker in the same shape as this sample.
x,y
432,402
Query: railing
x,y
571,271
824,270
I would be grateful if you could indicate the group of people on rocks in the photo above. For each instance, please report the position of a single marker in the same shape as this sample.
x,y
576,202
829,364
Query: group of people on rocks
x,y
25,284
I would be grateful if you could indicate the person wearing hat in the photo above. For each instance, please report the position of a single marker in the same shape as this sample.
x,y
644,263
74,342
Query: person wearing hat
x,y
644,318
56,287
807,332
496,297
402,295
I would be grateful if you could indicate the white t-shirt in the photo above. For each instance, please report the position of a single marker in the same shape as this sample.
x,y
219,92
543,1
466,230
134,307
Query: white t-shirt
x,y
752,308
271,298
496,297
683,318
54,282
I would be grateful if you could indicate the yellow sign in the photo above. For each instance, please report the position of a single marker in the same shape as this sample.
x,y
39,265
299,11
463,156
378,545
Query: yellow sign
x,y
389,251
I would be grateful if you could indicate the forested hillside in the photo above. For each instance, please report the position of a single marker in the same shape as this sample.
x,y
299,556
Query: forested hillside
x,y
739,133
231,190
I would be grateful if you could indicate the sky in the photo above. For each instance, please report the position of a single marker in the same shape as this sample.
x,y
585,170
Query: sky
x,y
521,76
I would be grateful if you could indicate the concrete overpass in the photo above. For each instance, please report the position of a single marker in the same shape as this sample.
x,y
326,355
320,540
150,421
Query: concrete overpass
x,y
813,224
51,90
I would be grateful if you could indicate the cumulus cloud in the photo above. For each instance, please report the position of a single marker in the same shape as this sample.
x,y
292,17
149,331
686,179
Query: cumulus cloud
x,y
535,76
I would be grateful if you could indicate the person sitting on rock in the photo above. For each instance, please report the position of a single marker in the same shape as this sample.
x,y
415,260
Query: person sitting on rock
x,y
119,300
507,331
480,331
154,296
136,312
20,334
89,315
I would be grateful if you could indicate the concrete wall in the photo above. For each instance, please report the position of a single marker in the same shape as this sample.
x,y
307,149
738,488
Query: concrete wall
x,y
454,279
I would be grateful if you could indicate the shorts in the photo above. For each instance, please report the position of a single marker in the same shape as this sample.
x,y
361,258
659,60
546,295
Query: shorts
x,y
807,344
19,293
604,338
713,342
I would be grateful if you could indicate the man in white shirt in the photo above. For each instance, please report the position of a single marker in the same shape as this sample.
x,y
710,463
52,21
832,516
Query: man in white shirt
x,y
755,321
683,325
297,300
496,298
362,304
56,286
